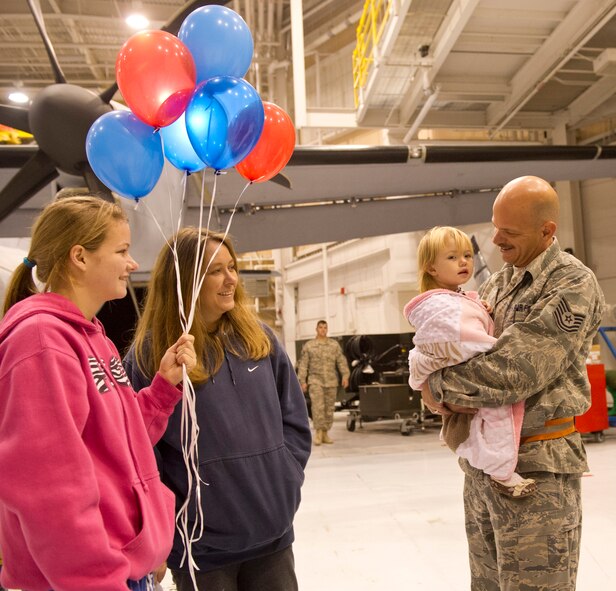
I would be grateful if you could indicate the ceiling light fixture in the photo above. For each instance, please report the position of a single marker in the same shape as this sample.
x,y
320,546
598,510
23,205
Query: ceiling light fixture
x,y
19,97
137,21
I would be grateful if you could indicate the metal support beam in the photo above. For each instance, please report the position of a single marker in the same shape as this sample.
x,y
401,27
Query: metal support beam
x,y
589,100
456,19
580,24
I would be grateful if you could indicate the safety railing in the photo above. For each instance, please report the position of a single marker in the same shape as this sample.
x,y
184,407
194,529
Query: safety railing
x,y
603,332
370,29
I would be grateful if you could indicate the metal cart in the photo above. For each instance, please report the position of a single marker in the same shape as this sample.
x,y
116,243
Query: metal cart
x,y
394,402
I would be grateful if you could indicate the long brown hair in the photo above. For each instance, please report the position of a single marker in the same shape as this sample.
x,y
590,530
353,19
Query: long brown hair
x,y
239,330
61,225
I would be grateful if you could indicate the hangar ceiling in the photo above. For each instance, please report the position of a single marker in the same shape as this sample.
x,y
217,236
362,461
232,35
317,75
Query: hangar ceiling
x,y
478,73
524,66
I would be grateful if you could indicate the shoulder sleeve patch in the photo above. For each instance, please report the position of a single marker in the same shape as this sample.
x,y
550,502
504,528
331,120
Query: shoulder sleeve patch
x,y
565,319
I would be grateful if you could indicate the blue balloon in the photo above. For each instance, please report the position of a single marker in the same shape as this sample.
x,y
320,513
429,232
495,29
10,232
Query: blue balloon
x,y
219,40
125,153
224,121
177,146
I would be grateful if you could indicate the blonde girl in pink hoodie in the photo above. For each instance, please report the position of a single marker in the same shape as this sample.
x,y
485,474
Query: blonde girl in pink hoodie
x,y
82,507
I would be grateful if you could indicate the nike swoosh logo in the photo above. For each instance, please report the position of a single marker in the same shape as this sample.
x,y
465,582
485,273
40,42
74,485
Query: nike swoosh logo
x,y
251,369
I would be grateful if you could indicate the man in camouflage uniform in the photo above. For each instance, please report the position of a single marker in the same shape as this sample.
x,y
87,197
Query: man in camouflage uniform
x,y
547,307
317,374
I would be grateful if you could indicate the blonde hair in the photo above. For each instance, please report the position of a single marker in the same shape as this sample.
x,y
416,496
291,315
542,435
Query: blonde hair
x,y
239,330
429,248
60,226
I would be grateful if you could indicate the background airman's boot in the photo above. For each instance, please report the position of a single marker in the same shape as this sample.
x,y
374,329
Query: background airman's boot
x,y
318,437
325,438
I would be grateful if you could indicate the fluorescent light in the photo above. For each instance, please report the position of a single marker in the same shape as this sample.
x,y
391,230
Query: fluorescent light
x,y
137,21
19,97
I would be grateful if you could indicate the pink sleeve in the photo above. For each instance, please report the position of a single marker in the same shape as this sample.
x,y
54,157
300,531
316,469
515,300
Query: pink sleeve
x,y
157,402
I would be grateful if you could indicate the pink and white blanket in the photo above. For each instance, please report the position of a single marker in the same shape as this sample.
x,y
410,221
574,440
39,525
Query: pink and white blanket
x,y
450,328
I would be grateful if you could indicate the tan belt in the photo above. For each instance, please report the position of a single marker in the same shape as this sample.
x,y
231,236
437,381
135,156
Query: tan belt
x,y
554,428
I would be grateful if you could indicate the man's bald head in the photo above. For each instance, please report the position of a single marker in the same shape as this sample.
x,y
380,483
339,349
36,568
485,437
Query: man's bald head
x,y
525,215
533,197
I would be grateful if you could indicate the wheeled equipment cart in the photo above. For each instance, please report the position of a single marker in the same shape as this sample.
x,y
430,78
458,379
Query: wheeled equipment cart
x,y
394,402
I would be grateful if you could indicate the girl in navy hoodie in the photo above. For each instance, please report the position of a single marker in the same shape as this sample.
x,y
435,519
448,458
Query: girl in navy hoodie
x,y
82,507
254,438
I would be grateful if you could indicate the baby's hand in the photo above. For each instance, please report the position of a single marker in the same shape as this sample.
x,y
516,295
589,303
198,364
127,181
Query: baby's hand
x,y
487,306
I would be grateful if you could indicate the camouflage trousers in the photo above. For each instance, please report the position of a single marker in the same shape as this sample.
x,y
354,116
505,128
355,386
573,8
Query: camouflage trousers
x,y
528,544
322,401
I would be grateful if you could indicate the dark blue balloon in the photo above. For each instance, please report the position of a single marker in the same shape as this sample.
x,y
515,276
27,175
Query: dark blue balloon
x,y
125,153
224,120
177,146
219,40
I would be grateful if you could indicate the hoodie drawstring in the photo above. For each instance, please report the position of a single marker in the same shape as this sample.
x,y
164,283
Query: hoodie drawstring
x,y
230,368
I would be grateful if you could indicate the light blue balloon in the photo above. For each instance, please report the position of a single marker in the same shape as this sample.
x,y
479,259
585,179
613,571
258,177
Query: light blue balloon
x,y
125,153
177,147
224,121
219,40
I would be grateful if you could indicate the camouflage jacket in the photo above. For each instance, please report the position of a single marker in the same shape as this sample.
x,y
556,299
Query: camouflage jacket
x,y
544,321
318,363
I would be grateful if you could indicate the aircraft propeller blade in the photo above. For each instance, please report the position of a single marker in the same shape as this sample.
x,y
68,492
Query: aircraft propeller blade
x,y
38,172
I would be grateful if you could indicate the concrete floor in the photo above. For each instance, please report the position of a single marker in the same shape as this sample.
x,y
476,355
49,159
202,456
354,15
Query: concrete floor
x,y
381,511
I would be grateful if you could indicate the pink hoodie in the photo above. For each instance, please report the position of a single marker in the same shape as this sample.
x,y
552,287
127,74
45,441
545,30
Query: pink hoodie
x,y
82,507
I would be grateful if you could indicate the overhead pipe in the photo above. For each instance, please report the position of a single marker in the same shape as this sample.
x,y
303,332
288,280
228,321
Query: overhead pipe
x,y
260,21
317,8
271,69
335,30
17,156
271,8
516,153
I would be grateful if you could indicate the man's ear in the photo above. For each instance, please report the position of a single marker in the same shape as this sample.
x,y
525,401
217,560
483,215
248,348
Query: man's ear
x,y
549,229
76,256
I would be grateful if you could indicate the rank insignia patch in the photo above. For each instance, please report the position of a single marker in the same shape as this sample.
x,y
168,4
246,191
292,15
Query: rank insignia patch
x,y
565,319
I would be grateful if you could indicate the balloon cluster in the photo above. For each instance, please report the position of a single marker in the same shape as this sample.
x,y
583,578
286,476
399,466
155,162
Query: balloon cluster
x,y
190,102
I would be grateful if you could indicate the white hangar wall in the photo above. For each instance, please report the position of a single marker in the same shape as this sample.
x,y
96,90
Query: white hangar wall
x,y
598,205
599,221
358,286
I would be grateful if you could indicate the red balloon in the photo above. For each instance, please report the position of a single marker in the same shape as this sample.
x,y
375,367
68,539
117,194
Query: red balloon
x,y
156,75
274,148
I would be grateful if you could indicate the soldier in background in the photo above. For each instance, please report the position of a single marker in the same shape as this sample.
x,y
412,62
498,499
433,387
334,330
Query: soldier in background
x,y
317,375
547,308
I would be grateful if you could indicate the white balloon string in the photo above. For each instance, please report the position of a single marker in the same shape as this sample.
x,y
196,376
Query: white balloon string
x,y
162,232
189,433
169,184
189,427
183,202
220,244
200,256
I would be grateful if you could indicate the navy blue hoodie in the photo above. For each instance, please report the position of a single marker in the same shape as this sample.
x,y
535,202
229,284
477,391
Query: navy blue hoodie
x,y
254,443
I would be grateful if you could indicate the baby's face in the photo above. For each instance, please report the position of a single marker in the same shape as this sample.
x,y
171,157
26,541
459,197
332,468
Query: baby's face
x,y
453,267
